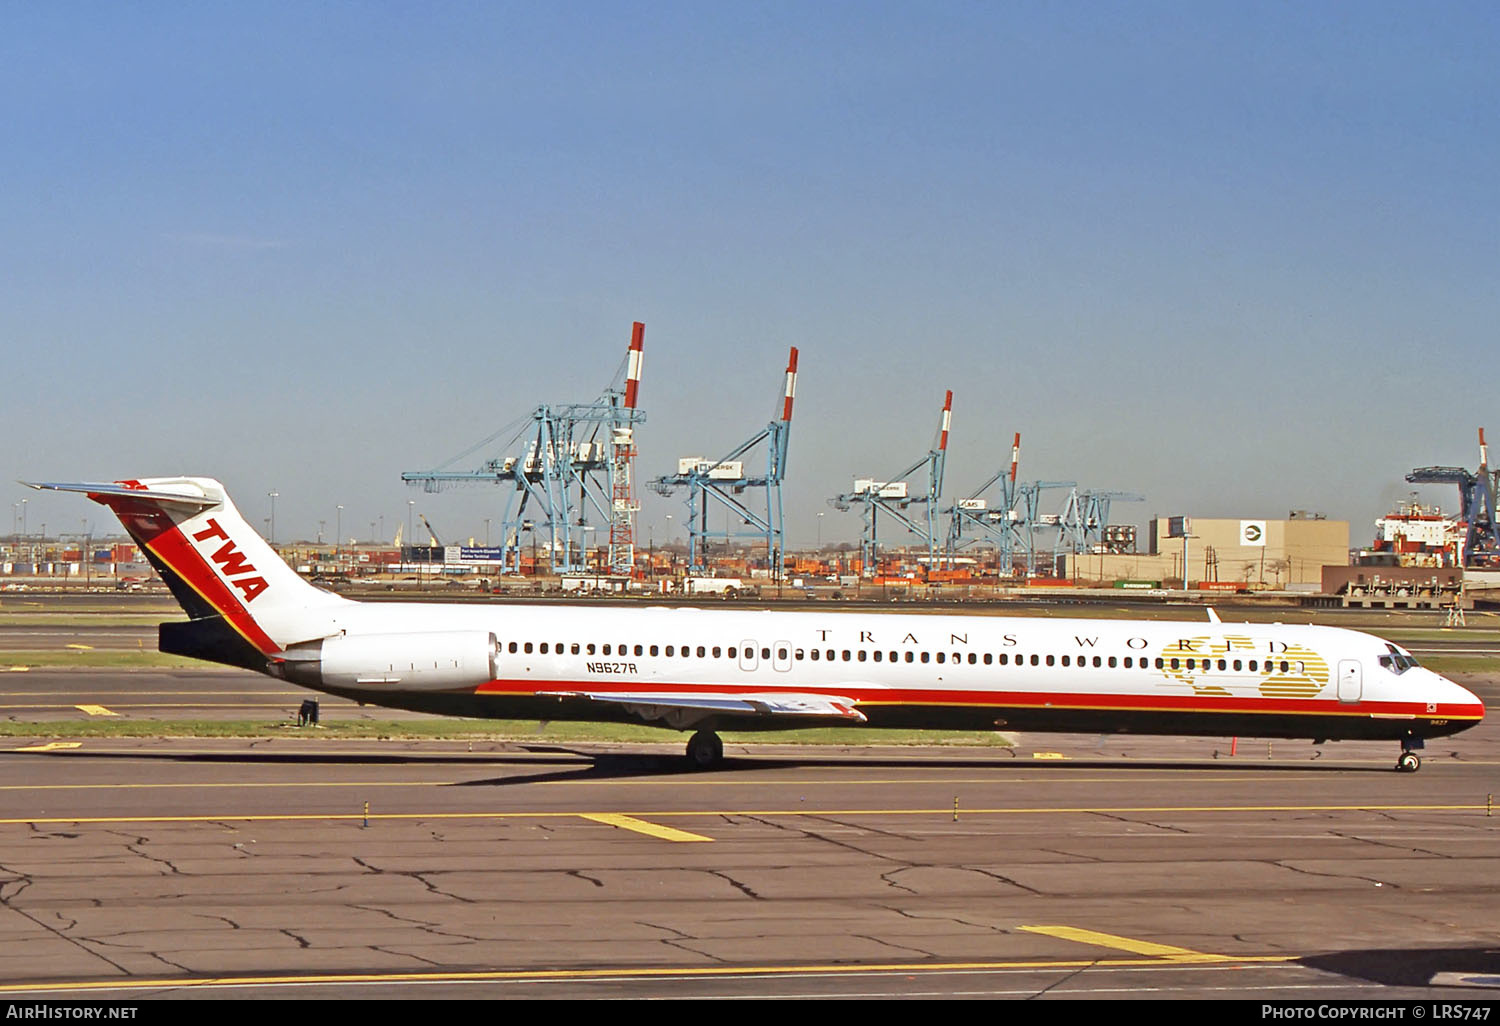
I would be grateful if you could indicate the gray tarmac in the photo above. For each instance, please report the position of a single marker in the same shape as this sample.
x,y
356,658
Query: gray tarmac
x,y
1071,866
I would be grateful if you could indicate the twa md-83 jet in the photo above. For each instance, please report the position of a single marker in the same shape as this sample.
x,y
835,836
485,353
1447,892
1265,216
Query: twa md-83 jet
x,y
701,670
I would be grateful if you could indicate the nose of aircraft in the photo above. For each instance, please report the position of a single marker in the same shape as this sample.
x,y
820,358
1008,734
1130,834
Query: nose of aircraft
x,y
1456,700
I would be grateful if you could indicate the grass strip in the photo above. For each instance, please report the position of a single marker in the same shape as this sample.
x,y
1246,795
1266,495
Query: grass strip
x,y
102,658
475,730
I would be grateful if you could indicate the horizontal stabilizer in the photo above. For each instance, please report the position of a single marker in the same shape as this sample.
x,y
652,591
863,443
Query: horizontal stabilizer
x,y
97,491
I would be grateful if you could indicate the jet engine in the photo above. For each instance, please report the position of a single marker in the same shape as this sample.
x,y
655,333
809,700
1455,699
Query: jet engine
x,y
427,661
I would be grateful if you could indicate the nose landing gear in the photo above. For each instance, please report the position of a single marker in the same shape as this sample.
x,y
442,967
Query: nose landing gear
x,y
1409,763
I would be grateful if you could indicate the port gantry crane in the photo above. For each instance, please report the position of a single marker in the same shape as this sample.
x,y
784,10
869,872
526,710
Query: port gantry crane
x,y
893,497
976,519
1476,500
565,464
1012,518
724,481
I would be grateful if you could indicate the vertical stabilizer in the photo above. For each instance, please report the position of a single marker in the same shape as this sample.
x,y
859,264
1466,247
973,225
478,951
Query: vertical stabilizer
x,y
216,566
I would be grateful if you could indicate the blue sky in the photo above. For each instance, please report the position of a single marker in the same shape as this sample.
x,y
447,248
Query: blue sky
x,y
1240,258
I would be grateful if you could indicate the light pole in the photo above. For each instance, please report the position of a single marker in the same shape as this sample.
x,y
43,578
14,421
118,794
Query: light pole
x,y
486,532
820,535
410,505
273,495
338,532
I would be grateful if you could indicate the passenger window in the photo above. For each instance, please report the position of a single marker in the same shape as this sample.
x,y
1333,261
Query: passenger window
x,y
797,654
815,654
573,648
1112,662
989,658
716,651
528,648
1065,661
670,651
1051,661
846,655
653,650
606,650
879,655
926,657
639,650
513,648
863,655
765,653
733,652
590,648
941,656
701,651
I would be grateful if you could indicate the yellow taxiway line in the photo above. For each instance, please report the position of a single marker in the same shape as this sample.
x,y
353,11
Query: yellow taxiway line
x,y
640,826
946,811
582,975
1137,947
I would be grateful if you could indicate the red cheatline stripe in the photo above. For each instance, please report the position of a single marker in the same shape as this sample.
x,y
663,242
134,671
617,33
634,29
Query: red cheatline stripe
x,y
1013,699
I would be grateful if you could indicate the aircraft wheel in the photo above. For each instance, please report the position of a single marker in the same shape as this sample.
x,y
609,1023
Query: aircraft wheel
x,y
705,750
1408,763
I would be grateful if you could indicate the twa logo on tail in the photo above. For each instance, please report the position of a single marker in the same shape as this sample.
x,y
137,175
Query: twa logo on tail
x,y
231,561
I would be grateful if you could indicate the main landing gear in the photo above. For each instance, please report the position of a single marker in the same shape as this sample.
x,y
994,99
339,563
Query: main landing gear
x,y
1409,763
705,750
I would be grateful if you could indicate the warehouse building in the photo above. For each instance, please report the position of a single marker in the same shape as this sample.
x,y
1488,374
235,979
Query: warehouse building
x,y
1223,553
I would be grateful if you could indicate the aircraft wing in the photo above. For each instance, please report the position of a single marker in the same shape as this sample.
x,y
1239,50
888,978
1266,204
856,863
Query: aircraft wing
x,y
683,710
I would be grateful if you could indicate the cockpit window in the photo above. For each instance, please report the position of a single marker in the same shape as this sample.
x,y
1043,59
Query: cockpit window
x,y
1397,661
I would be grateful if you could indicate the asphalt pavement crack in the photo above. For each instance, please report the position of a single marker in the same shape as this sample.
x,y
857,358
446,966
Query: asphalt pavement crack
x,y
1141,822
420,924
132,847
1002,878
886,877
1390,844
894,945
1334,876
8,901
744,889
412,875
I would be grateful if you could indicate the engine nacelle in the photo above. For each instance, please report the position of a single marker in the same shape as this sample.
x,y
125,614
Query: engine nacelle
x,y
427,661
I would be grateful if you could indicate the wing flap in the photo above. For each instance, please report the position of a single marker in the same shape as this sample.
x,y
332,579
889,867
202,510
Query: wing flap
x,y
683,710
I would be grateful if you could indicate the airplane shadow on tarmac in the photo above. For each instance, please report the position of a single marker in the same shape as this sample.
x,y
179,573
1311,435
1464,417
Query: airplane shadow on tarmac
x,y
616,765
1409,967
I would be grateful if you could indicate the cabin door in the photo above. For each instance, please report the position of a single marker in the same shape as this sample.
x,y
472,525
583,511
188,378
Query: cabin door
x,y
1351,680
749,656
781,656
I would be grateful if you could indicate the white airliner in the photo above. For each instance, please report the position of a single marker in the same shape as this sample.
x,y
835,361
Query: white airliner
x,y
701,670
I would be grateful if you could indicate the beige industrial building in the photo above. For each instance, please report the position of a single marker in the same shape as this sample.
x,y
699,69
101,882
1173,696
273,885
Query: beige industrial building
x,y
1273,554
